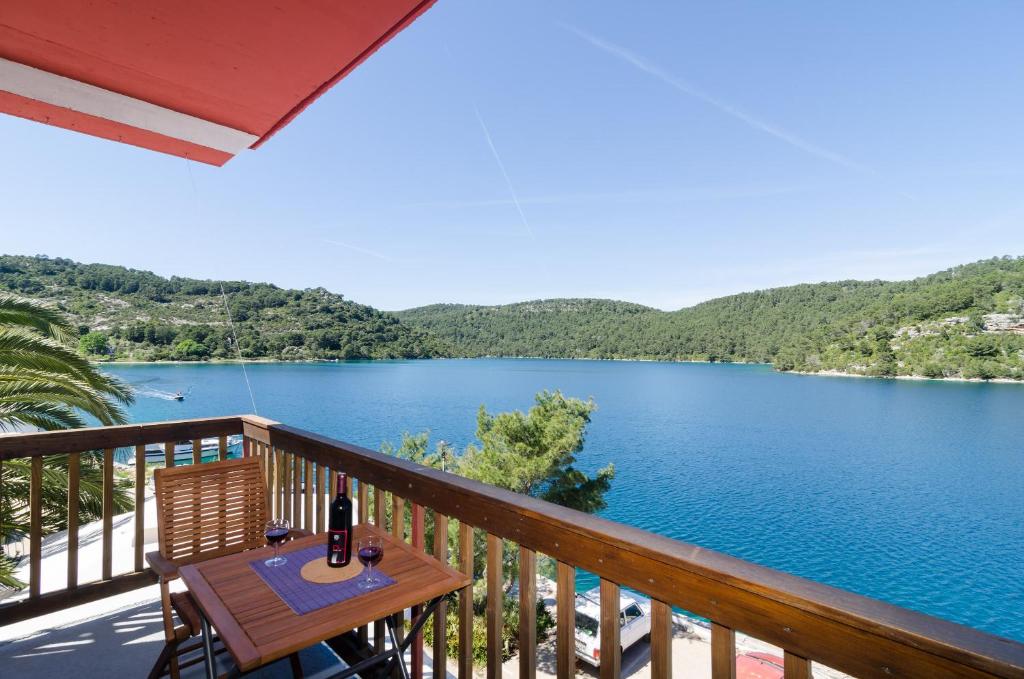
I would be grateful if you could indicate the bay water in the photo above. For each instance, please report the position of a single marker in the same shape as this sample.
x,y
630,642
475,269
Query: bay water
x,y
907,491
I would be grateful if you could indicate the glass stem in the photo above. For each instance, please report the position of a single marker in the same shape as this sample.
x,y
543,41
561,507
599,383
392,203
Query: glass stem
x,y
277,547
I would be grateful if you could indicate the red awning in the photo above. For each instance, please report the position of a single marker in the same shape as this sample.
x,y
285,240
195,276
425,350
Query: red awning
x,y
202,79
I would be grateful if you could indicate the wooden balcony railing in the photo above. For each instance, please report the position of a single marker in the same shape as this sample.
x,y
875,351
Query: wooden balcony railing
x,y
810,621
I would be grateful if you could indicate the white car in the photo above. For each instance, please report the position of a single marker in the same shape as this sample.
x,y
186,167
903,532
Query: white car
x,y
634,622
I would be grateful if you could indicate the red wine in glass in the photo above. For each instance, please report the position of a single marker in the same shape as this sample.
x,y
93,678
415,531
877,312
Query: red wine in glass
x,y
276,536
370,552
276,532
371,556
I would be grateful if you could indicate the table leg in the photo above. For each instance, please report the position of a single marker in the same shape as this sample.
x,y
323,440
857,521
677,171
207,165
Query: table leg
x,y
397,652
209,659
399,647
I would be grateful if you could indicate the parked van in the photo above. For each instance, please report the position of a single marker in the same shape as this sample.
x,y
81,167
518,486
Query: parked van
x,y
634,623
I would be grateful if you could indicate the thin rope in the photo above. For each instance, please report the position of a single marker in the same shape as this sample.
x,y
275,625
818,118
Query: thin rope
x,y
238,348
224,296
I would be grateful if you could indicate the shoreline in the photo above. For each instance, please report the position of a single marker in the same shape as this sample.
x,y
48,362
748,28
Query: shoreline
x,y
912,378
819,373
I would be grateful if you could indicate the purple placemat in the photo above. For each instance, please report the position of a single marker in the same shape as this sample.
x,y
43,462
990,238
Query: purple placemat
x,y
303,596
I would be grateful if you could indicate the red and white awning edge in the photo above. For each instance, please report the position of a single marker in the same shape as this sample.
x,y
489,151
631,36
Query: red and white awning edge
x,y
95,102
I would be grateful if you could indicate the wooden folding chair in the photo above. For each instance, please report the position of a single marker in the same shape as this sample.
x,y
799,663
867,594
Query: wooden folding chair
x,y
203,511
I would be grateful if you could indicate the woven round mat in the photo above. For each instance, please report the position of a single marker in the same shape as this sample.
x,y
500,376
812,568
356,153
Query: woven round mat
x,y
319,572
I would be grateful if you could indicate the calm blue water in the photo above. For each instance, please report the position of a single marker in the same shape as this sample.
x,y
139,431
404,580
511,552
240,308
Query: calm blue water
x,y
910,492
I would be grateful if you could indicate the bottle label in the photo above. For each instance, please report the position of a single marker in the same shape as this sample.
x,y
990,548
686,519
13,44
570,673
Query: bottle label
x,y
339,543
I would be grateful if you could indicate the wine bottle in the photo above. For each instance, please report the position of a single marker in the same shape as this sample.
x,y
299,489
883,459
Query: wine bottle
x,y
339,534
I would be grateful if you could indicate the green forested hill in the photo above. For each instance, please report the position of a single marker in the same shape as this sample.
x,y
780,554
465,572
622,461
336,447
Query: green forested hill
x,y
967,321
137,315
963,322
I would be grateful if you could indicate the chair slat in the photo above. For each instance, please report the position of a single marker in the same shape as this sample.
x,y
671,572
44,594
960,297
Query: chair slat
x,y
214,508
222,448
197,451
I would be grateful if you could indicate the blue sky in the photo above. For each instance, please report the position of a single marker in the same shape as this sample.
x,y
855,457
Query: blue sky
x,y
663,153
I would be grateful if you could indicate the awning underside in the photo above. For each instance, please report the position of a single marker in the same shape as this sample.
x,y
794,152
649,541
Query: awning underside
x,y
192,78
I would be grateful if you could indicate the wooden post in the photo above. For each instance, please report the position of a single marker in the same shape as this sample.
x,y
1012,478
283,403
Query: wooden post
x,y
417,536
308,481
398,532
378,508
74,475
723,652
440,647
108,512
222,449
495,597
323,494
197,451
661,640
611,652
169,454
796,667
140,506
398,517
35,529
364,502
527,613
286,504
466,603
296,490
565,644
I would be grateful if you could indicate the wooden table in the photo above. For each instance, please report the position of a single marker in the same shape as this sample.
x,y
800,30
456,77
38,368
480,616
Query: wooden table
x,y
257,627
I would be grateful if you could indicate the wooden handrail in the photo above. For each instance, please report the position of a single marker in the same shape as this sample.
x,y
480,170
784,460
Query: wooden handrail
x,y
849,632
14,445
811,621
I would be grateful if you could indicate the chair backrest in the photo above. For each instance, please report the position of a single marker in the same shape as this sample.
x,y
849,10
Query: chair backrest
x,y
207,510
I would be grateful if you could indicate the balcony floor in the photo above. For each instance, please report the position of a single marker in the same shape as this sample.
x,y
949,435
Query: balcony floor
x,y
118,637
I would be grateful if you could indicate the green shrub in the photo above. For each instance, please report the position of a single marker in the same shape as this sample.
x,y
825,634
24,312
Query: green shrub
x,y
509,630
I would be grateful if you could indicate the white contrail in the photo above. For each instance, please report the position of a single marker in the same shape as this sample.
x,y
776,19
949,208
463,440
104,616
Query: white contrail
x,y
725,107
508,182
680,195
364,251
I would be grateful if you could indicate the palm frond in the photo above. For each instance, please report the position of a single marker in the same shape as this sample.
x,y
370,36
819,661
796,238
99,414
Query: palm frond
x,y
28,313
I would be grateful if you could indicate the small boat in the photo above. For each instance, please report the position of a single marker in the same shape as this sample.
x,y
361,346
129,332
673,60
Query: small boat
x,y
210,447
178,396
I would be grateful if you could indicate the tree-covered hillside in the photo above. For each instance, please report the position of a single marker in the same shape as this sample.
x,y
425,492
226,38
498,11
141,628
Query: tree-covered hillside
x,y
128,314
963,322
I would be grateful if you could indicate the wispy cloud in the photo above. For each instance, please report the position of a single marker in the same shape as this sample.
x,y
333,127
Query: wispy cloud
x,y
504,173
723,106
365,251
678,195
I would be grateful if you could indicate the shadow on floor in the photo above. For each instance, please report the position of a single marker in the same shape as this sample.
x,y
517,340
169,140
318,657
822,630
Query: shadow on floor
x,y
122,644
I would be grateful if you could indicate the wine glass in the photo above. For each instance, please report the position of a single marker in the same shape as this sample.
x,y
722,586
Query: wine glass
x,y
370,552
276,532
